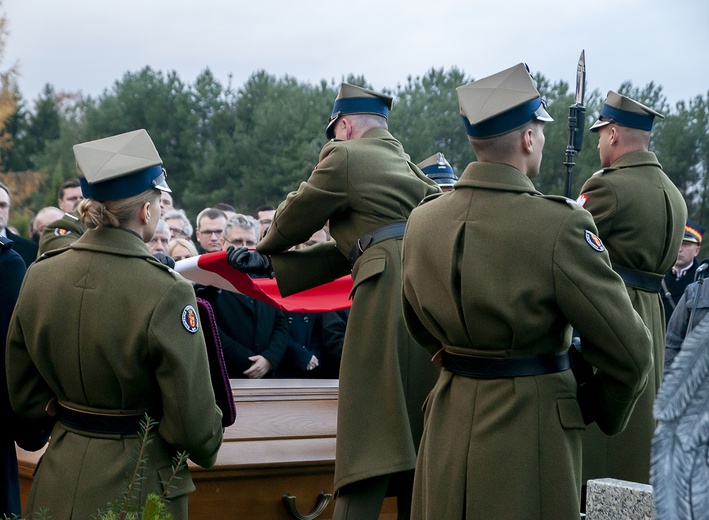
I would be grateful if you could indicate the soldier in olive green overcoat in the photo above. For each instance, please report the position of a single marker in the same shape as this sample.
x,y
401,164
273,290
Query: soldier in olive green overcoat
x,y
640,215
494,273
102,335
363,182
61,232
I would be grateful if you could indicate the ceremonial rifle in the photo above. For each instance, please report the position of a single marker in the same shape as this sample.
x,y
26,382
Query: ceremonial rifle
x,y
583,371
577,118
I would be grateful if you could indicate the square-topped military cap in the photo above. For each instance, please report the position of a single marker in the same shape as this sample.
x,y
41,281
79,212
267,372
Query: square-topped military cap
x,y
119,166
438,169
625,112
357,100
498,104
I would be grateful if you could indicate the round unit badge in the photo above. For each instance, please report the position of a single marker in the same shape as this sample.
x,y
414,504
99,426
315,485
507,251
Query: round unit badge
x,y
594,241
189,319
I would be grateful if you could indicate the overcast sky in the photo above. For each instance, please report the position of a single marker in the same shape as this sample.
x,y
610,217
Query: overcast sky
x,y
87,45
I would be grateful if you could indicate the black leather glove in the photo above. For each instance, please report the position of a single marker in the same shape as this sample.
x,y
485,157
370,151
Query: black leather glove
x,y
164,259
249,261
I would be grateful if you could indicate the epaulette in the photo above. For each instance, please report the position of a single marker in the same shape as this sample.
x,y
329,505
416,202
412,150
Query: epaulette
x,y
599,172
71,216
560,198
52,252
154,261
5,243
429,198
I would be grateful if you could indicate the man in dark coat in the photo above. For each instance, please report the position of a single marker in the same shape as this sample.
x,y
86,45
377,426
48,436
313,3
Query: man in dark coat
x,y
315,346
12,270
640,215
691,309
250,330
25,247
15,429
682,273
366,187
254,335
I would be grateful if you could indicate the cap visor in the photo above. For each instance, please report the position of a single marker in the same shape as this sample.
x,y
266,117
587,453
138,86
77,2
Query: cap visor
x,y
162,186
542,115
330,129
598,124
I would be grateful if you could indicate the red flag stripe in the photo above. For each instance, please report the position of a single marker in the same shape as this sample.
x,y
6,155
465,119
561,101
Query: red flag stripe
x,y
213,269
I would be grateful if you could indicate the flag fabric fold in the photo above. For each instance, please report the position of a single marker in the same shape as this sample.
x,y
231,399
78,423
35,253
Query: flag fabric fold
x,y
213,269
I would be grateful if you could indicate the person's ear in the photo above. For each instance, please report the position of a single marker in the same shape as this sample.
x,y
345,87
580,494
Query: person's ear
x,y
349,127
145,213
613,135
528,140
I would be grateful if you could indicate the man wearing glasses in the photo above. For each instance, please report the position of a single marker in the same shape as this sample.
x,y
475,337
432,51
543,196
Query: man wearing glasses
x,y
179,224
210,226
241,231
254,334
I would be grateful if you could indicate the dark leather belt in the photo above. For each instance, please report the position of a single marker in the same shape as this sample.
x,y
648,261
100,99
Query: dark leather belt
x,y
394,230
640,279
101,423
481,367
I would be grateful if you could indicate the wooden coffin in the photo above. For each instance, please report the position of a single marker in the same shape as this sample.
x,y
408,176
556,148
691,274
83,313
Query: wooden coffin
x,y
282,444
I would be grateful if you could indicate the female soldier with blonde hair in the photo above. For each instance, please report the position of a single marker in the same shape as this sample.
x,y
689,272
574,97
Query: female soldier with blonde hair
x,y
103,334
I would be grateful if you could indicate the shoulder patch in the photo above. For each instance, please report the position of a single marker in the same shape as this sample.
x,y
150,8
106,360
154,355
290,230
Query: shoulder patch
x,y
594,241
582,199
60,232
189,319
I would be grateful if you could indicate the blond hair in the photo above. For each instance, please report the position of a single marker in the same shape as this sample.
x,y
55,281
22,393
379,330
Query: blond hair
x,y
115,213
184,243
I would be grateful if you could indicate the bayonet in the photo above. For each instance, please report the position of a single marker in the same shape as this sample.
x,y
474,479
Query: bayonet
x,y
577,117
581,79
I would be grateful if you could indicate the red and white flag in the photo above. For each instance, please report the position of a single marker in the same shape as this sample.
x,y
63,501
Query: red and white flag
x,y
213,269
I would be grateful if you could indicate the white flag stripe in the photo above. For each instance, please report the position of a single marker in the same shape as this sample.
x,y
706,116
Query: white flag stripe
x,y
191,270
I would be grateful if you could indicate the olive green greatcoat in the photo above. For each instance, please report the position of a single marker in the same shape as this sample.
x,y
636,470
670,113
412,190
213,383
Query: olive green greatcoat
x,y
359,186
99,326
640,216
494,268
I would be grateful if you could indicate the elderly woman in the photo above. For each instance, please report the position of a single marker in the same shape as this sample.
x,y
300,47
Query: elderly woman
x,y
104,334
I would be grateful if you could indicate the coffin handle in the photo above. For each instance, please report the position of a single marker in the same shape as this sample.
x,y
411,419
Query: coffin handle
x,y
323,501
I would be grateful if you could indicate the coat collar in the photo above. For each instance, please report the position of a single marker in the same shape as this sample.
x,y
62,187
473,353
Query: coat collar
x,y
634,159
113,241
377,133
495,176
